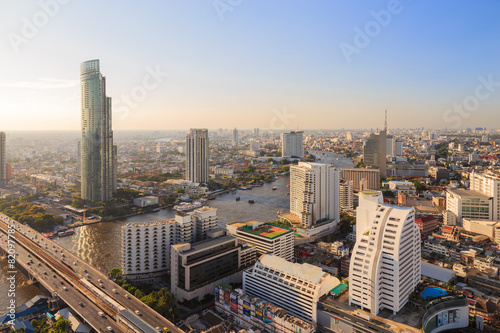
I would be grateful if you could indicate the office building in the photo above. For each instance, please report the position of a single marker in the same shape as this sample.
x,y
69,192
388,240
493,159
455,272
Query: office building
x,y
255,132
439,173
346,196
390,146
251,312
296,288
385,261
468,204
3,160
314,193
236,136
197,156
292,144
405,187
427,224
375,152
205,220
79,158
355,175
98,154
488,184
197,268
265,237
398,148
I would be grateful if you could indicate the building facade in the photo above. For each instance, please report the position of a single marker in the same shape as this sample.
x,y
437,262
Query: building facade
x,y
489,185
296,288
292,144
346,195
98,154
3,160
197,156
314,193
374,153
469,204
385,261
372,177
236,136
266,238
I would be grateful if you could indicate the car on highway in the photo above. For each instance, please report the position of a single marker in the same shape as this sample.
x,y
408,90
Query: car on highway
x,y
101,314
81,304
65,288
85,270
137,312
127,296
109,328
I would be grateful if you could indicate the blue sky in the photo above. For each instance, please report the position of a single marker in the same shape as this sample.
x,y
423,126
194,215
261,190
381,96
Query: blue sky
x,y
263,59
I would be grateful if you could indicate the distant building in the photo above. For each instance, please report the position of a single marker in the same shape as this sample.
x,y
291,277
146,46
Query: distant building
x,y
439,173
296,288
427,224
252,312
236,136
398,148
197,156
405,187
98,154
372,177
375,152
385,261
145,201
314,193
197,268
346,196
292,144
255,132
266,238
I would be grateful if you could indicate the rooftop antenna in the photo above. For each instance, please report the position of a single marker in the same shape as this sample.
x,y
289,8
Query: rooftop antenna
x,y
385,126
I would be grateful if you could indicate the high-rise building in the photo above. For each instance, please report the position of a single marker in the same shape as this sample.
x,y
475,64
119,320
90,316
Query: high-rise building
x,y
398,148
236,136
390,146
468,204
296,288
3,161
346,196
255,132
98,154
314,193
372,177
488,184
375,152
197,268
197,156
79,158
266,238
385,262
292,144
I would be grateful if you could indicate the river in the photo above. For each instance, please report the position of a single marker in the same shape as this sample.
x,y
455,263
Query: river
x,y
99,244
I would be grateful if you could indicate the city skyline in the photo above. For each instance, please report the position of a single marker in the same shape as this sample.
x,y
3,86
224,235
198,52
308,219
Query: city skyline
x,y
326,69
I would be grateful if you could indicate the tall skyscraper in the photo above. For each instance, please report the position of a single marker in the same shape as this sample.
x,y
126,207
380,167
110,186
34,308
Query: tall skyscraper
x,y
236,136
79,159
375,150
98,154
3,161
292,144
255,132
314,192
197,155
385,261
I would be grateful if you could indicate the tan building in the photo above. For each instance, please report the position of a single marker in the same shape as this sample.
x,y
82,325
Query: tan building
x,y
356,175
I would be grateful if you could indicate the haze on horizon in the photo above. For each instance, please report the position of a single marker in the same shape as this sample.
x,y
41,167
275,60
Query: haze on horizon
x,y
245,64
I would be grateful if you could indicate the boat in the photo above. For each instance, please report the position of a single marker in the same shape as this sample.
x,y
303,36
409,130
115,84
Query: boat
x,y
68,232
186,207
211,197
155,210
238,199
49,235
274,188
243,188
287,193
251,201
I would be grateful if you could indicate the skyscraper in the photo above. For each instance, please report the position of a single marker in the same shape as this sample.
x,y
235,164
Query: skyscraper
x,y
3,161
375,152
236,136
197,155
314,192
98,154
292,144
385,261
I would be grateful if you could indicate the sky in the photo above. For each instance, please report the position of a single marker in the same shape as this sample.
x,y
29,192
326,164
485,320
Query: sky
x,y
277,64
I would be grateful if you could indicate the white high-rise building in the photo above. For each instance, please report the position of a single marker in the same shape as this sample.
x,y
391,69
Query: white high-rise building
x,y
292,144
3,161
296,288
346,196
385,261
488,184
314,193
236,136
205,220
197,156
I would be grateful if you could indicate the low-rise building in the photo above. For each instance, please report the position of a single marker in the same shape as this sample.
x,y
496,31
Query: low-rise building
x,y
405,187
427,224
145,201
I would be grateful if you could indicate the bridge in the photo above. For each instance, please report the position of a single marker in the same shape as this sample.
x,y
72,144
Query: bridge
x,y
89,292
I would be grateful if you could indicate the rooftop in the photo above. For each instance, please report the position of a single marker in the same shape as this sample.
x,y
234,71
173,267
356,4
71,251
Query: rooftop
x,y
436,272
266,230
468,193
141,324
211,242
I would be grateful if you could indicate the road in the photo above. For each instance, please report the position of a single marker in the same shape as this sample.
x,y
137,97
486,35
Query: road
x,y
75,269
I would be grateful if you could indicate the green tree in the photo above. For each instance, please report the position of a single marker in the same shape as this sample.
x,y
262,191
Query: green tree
x,y
62,326
40,325
163,302
116,273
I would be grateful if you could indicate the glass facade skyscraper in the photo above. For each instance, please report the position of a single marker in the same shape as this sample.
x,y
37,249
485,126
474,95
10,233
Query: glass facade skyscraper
x,y
197,155
98,154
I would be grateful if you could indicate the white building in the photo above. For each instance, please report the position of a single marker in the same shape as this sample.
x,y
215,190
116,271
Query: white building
x,y
314,193
145,201
488,184
197,156
469,204
266,238
292,144
205,219
346,196
385,261
296,288
405,187
487,228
